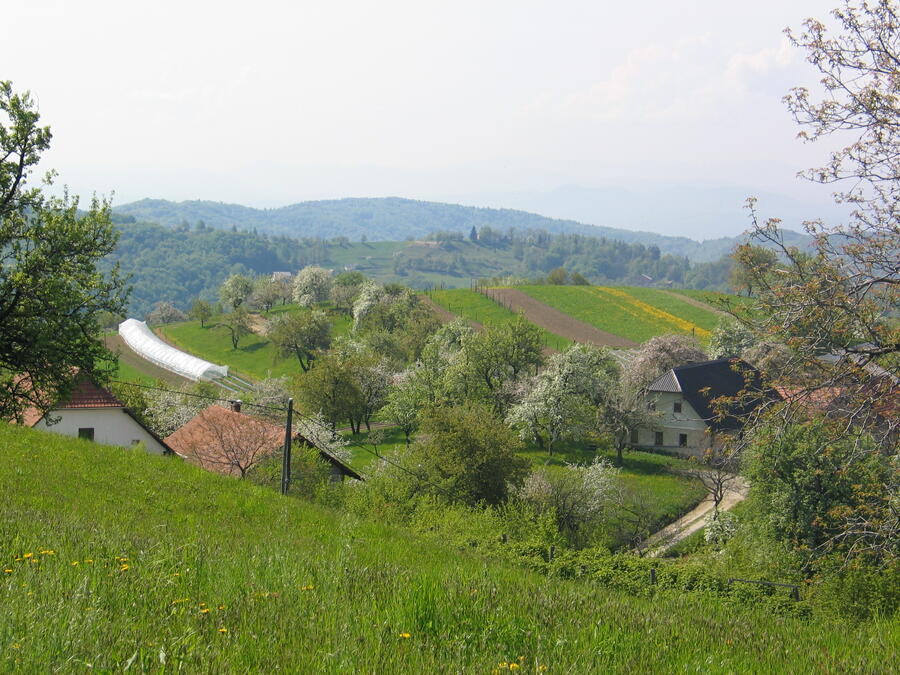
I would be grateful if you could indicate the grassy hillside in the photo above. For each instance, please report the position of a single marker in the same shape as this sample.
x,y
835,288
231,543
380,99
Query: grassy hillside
x,y
631,312
476,307
255,355
113,559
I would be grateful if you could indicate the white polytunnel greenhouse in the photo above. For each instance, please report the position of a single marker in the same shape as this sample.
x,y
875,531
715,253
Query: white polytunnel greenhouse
x,y
142,340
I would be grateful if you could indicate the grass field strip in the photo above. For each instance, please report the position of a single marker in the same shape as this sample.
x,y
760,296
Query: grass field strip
x,y
629,303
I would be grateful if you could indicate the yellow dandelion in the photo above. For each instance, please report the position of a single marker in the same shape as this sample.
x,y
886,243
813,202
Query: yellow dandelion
x,y
122,568
205,610
8,571
18,560
74,563
223,629
37,561
16,645
513,666
521,659
503,664
28,555
201,604
542,668
177,574
178,601
48,551
88,561
221,607
405,635
307,588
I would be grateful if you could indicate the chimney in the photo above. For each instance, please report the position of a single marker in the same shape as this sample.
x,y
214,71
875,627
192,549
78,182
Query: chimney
x,y
236,406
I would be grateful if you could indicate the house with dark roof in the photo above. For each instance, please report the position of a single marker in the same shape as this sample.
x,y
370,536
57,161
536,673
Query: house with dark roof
x,y
231,442
697,403
92,412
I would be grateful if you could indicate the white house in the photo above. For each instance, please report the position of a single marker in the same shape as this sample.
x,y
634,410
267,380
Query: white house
x,y
688,420
92,412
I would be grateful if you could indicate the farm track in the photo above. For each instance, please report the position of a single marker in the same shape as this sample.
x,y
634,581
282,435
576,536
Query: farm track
x,y
117,345
555,321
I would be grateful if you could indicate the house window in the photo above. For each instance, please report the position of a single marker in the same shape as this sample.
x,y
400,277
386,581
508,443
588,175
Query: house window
x,y
634,437
651,405
86,433
658,438
676,407
682,440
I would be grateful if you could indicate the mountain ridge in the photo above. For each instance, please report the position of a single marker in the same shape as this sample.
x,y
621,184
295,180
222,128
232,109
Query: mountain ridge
x,y
397,219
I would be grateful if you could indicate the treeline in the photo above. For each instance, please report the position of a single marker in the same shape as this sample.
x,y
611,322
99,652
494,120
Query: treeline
x,y
178,264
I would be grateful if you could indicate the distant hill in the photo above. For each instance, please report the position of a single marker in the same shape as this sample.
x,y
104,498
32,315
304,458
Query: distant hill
x,y
396,219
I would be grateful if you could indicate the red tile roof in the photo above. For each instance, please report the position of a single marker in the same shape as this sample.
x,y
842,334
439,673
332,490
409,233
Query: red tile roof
x,y
86,394
224,441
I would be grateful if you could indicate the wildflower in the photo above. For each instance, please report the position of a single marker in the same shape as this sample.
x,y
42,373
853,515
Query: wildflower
x,y
48,551
28,555
75,563
18,560
404,635
542,668
521,659
180,600
205,610
36,561
223,629
307,588
202,604
503,664
8,571
513,666
88,561
16,645
177,574
221,607
122,568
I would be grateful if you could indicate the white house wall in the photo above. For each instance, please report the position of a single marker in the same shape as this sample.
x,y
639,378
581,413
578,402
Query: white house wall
x,y
112,426
672,424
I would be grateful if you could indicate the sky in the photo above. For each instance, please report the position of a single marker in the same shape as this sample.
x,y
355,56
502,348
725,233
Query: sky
x,y
492,103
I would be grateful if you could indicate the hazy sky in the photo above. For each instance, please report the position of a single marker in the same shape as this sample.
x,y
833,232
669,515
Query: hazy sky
x,y
270,103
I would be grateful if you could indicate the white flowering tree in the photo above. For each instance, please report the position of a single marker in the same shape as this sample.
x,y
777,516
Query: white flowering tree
x,y
578,495
660,354
312,285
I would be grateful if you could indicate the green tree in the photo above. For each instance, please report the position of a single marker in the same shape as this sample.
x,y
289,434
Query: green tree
x,y
329,388
237,323
730,338
468,453
52,294
558,277
301,335
266,292
201,310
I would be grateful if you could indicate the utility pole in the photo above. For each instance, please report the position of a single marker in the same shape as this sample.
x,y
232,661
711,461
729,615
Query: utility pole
x,y
286,457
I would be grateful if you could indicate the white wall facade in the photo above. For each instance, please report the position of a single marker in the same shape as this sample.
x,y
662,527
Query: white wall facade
x,y
672,425
112,426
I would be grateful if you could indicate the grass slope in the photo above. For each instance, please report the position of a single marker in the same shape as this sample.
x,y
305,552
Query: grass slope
x,y
255,355
634,313
476,307
118,559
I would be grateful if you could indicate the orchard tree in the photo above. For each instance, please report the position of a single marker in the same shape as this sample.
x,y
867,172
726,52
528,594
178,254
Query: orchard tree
x,y
301,335
163,313
236,289
312,285
52,292
237,323
266,292
730,338
659,354
201,310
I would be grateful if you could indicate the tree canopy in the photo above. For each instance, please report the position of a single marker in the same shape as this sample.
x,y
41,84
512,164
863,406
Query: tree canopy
x,y
52,294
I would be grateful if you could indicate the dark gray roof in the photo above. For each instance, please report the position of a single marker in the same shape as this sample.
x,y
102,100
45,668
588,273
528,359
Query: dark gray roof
x,y
666,382
704,382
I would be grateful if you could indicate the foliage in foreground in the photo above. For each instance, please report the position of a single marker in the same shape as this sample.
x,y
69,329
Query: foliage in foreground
x,y
146,561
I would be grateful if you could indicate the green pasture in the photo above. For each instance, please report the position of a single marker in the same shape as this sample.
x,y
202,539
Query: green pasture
x,y
114,560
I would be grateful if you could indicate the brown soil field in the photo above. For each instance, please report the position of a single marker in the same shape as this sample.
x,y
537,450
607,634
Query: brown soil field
x,y
117,346
555,321
445,315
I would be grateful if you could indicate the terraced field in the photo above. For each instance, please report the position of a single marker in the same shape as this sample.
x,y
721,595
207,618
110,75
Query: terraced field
x,y
636,314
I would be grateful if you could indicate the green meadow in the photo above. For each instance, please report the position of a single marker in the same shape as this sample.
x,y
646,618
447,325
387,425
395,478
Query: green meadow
x,y
113,560
255,356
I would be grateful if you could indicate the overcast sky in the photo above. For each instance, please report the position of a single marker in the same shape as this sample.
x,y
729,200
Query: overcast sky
x,y
270,103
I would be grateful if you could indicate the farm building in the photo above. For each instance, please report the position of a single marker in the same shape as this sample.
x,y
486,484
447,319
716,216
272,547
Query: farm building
x,y
687,399
89,411
231,442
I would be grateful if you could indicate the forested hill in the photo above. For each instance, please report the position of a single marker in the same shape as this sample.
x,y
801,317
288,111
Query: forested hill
x,y
394,219
181,263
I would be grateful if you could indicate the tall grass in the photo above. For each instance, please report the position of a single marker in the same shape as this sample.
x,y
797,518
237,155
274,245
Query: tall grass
x,y
148,563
